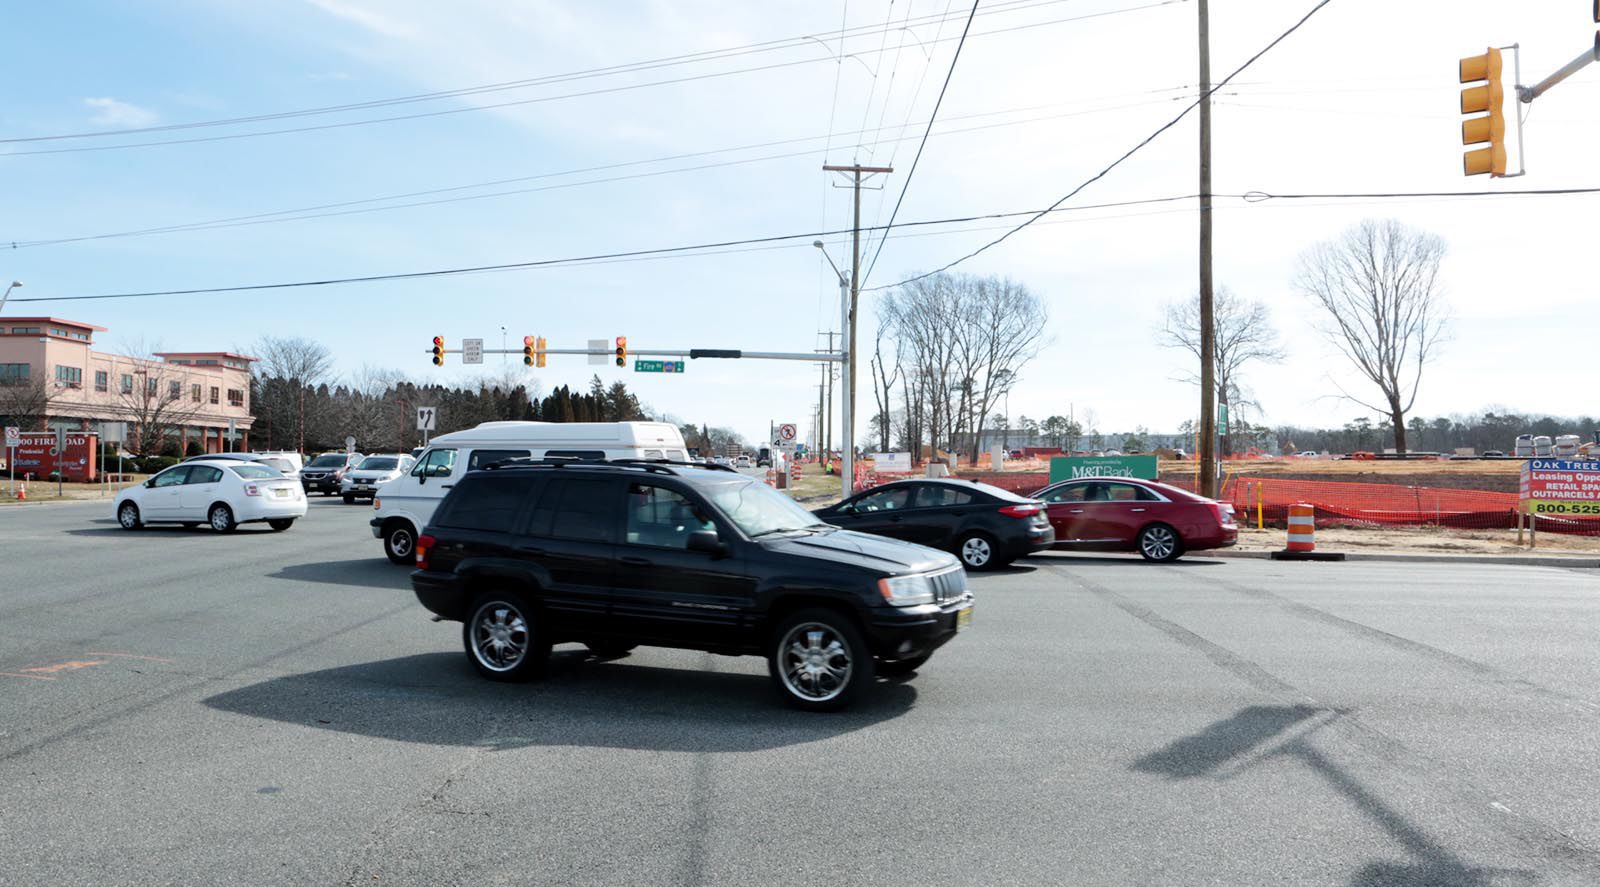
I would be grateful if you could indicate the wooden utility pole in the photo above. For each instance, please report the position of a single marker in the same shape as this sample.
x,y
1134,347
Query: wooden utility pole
x,y
1208,334
848,448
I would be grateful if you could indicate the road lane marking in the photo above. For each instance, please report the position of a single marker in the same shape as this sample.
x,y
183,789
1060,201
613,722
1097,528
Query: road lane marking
x,y
37,677
133,656
70,665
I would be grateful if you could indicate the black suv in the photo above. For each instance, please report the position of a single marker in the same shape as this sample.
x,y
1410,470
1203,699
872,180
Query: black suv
x,y
612,555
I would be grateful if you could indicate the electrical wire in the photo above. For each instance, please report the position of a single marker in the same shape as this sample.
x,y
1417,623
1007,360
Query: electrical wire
x,y
519,102
1130,152
347,207
906,185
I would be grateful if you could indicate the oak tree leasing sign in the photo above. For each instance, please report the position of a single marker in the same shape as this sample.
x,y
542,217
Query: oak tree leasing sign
x,y
1557,486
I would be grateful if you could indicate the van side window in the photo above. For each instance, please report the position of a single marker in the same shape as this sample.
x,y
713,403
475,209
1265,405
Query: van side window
x,y
437,463
588,455
586,510
484,458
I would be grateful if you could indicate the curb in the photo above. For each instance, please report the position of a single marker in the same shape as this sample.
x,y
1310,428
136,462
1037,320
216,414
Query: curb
x,y
1394,557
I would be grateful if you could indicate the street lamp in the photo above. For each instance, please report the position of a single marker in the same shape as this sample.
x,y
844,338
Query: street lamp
x,y
848,475
7,293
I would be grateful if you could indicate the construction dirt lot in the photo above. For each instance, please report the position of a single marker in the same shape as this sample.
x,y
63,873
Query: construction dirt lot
x,y
1493,475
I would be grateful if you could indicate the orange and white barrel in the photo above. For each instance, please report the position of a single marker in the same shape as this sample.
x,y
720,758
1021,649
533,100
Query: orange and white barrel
x,y
1302,527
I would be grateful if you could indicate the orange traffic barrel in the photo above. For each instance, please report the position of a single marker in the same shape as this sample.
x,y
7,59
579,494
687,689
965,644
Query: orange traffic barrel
x,y
1302,527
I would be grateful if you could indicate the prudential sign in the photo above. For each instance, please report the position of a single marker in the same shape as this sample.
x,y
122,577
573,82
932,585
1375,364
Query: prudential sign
x,y
1073,467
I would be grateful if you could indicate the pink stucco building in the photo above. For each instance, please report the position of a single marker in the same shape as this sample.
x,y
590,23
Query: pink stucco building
x,y
190,395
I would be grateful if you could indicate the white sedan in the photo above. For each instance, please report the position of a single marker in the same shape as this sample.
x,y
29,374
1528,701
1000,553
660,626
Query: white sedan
x,y
221,492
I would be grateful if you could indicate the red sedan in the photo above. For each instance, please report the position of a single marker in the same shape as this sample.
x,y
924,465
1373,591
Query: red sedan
x,y
1159,521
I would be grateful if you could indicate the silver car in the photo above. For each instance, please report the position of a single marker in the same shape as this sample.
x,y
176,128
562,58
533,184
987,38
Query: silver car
x,y
363,481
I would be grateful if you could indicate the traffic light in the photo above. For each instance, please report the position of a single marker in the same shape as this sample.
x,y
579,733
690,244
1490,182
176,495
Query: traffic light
x,y
622,351
1490,129
539,346
527,350
438,351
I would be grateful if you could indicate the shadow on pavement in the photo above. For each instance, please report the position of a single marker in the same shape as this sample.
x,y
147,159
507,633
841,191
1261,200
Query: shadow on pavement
x,y
438,698
1063,558
1227,748
156,531
368,572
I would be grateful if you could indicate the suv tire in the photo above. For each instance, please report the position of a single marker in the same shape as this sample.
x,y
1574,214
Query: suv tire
x,y
400,543
818,660
504,637
349,499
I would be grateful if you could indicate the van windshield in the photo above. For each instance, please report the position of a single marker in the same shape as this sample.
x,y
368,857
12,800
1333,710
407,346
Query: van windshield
x,y
758,509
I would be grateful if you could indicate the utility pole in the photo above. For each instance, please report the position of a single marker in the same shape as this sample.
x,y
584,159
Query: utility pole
x,y
1208,341
856,172
827,410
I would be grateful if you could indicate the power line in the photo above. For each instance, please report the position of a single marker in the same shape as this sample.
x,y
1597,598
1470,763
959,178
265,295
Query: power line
x,y
625,68
346,207
950,72
1130,152
542,263
498,105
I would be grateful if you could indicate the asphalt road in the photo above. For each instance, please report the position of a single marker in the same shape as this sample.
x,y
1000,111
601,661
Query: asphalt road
x,y
181,707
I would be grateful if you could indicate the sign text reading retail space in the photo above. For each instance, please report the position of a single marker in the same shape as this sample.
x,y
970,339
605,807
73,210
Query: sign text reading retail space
x,y
1557,486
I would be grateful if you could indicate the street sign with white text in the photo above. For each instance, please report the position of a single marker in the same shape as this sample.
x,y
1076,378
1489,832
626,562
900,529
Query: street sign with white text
x,y
1559,486
658,366
472,351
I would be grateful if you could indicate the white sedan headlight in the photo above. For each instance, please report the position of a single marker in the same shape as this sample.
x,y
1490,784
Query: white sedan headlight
x,y
906,591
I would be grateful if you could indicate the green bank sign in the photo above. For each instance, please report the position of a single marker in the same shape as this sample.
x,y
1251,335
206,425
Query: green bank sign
x,y
1073,467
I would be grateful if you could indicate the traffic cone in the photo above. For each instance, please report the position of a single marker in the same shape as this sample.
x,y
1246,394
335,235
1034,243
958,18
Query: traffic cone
x,y
22,492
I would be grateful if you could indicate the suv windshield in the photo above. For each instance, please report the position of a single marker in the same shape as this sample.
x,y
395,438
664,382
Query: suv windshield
x,y
379,463
327,460
758,509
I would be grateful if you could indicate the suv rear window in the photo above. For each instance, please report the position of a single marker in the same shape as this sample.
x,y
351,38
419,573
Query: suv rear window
x,y
486,502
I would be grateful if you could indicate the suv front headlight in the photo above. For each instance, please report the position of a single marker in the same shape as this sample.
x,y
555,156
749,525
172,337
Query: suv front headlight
x,y
906,591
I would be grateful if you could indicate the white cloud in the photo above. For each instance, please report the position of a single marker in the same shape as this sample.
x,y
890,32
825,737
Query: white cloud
x,y
110,112
366,18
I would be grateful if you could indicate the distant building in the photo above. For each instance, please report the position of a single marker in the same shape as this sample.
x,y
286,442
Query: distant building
x,y
50,377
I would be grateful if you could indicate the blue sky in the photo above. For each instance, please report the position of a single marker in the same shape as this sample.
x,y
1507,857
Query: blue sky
x,y
1361,100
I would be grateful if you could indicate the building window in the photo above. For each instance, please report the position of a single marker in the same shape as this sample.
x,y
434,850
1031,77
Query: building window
x,y
58,332
72,377
214,392
127,384
25,330
14,373
81,337
101,381
194,393
179,362
235,397
174,390
151,386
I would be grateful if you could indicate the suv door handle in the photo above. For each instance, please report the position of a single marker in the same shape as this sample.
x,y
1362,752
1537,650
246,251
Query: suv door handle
x,y
634,562
534,550
446,486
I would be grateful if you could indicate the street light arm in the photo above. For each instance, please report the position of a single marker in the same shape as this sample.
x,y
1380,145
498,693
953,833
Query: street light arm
x,y
843,280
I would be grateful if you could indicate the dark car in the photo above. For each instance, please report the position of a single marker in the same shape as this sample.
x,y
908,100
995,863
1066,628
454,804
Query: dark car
x,y
529,554
1160,522
987,527
325,473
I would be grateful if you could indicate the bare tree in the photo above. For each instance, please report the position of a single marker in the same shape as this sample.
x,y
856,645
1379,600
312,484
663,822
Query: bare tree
x,y
23,402
883,380
1243,332
965,340
157,397
1378,284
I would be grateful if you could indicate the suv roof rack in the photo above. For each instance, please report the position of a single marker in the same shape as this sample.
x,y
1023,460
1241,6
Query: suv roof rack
x,y
658,466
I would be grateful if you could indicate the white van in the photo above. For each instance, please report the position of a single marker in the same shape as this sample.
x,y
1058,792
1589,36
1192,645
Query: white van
x,y
405,505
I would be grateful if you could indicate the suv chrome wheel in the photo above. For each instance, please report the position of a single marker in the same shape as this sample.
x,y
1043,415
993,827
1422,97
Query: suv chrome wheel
x,y
818,659
500,636
1158,542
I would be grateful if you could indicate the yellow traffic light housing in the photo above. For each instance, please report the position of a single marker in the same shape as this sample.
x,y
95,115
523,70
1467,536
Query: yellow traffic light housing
x,y
1490,129
538,351
438,351
527,350
622,351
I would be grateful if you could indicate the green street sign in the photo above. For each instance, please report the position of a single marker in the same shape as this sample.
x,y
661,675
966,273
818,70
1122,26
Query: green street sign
x,y
1073,467
658,366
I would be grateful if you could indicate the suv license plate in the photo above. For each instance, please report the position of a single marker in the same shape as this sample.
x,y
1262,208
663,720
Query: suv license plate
x,y
963,618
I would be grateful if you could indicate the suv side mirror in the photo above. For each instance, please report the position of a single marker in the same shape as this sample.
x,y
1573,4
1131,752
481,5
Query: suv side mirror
x,y
708,542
